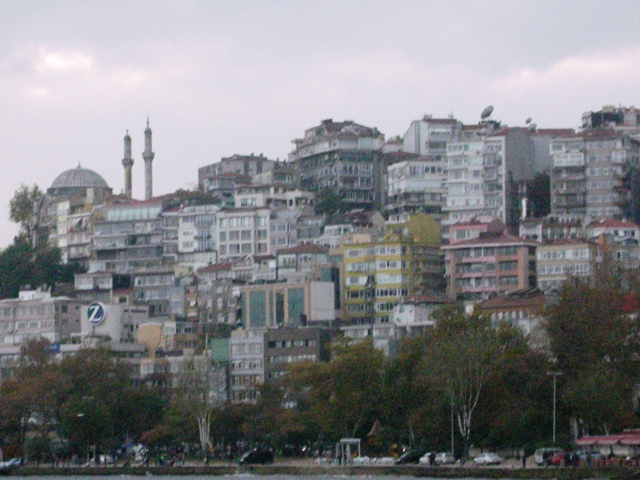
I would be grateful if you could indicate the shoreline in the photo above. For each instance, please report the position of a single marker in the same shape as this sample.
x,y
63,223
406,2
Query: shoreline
x,y
578,473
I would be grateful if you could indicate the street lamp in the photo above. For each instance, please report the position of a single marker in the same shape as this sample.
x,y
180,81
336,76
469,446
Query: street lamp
x,y
555,380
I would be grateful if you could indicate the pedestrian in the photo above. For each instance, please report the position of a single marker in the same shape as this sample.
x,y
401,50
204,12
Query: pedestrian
x,y
524,459
432,459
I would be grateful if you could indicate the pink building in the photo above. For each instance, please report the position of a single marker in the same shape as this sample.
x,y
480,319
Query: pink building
x,y
493,263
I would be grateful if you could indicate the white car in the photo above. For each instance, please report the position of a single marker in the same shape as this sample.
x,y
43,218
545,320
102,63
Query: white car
x,y
487,458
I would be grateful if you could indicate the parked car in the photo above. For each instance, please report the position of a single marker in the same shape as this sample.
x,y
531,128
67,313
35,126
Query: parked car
x,y
14,462
424,459
445,458
539,455
256,456
487,458
410,456
592,454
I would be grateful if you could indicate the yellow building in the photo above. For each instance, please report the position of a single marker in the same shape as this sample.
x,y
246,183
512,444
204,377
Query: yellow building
x,y
376,275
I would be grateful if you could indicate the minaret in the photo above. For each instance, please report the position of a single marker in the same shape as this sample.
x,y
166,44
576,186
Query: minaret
x,y
148,158
127,162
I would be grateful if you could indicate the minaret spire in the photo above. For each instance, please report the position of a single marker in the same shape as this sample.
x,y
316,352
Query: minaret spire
x,y
127,162
148,158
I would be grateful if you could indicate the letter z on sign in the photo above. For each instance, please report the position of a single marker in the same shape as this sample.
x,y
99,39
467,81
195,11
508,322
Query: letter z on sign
x,y
95,313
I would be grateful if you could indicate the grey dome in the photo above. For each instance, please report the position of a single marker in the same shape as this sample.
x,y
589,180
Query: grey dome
x,y
76,180
79,178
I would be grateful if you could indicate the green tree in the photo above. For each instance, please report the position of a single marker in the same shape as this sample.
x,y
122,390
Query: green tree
x,y
595,343
459,362
23,206
198,388
341,398
328,203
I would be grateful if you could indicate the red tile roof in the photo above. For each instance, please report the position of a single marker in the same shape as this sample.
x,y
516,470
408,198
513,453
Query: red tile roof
x,y
612,223
216,267
305,248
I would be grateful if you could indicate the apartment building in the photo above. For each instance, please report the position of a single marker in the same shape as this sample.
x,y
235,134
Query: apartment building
x,y
376,275
35,313
428,137
285,346
415,185
559,260
484,173
243,232
344,157
590,176
127,237
493,263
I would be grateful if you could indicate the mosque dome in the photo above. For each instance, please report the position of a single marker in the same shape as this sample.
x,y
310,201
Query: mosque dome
x,y
76,180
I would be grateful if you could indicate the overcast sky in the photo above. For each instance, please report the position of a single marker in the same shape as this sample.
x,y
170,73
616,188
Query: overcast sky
x,y
218,78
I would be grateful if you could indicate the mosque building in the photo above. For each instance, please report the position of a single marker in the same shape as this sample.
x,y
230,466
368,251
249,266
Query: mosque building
x,y
65,214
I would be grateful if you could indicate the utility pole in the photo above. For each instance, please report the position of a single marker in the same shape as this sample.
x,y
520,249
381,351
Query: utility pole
x,y
555,381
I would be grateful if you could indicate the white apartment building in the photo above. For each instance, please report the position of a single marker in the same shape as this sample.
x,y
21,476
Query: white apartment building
x,y
428,137
483,175
415,186
559,260
243,232
246,362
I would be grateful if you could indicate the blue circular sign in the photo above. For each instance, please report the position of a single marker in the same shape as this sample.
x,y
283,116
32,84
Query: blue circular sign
x,y
95,313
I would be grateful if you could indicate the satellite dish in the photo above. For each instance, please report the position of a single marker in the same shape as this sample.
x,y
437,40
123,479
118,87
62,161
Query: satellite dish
x,y
528,121
532,127
486,113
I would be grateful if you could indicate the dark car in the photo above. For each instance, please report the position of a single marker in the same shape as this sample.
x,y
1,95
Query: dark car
x,y
256,456
410,456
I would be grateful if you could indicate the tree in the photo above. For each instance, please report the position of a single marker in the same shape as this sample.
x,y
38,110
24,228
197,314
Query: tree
x,y
539,192
197,388
21,264
596,344
340,398
23,207
328,203
460,359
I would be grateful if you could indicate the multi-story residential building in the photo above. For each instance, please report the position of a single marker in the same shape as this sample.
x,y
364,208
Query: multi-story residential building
x,y
622,119
218,294
411,316
551,228
333,236
283,229
429,137
159,289
523,309
542,138
590,176
193,245
282,175
376,275
493,263
236,166
103,287
302,262
284,346
127,237
615,231
344,157
35,313
415,186
246,361
559,260
243,232
483,175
